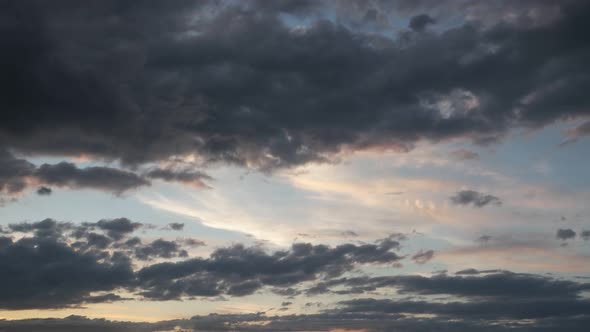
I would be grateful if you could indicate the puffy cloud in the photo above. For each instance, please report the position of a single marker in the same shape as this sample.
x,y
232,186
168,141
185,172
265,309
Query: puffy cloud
x,y
66,254
240,270
240,85
41,272
117,228
565,234
472,197
16,175
44,191
13,173
104,178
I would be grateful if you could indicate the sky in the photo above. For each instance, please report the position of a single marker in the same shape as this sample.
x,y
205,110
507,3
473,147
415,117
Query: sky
x,y
285,165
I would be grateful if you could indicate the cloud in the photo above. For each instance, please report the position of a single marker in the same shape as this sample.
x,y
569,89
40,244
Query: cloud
x,y
349,233
472,197
44,191
67,174
160,248
484,239
43,272
356,315
16,175
565,234
175,226
498,309
468,284
245,88
479,298
117,228
240,270
422,257
60,256
420,22
585,235
13,173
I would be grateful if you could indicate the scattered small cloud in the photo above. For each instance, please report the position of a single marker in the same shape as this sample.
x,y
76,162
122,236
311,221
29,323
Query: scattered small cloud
x,y
477,199
44,191
422,257
565,234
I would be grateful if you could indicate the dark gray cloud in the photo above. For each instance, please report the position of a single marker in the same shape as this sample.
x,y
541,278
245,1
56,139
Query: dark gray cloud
x,y
420,22
565,234
240,270
585,234
13,173
346,318
117,228
482,299
497,309
44,191
68,253
472,197
175,226
104,178
475,271
466,284
160,249
42,272
422,257
16,175
241,85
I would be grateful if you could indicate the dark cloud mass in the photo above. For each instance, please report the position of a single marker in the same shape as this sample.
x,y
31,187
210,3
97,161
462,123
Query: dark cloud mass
x,y
60,264
240,270
42,272
104,178
150,91
59,257
118,228
472,197
420,22
13,172
44,191
16,175
565,234
235,82
194,178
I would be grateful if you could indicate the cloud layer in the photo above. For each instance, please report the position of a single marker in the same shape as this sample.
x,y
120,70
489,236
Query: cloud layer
x,y
237,83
